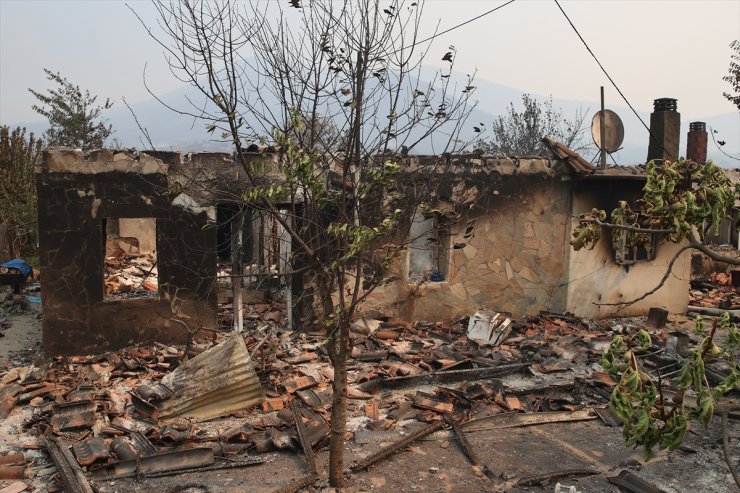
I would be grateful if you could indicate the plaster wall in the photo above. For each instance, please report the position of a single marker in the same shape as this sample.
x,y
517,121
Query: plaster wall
x,y
143,229
596,279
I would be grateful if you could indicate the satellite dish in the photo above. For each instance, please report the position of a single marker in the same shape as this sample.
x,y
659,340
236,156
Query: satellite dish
x,y
613,131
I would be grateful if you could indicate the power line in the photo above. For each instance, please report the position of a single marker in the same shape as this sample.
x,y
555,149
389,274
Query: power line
x,y
610,78
719,148
466,22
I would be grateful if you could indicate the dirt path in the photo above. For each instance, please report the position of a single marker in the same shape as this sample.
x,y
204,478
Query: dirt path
x,y
20,343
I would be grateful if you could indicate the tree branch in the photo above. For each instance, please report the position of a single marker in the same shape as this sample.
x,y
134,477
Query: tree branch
x,y
694,244
697,245
632,228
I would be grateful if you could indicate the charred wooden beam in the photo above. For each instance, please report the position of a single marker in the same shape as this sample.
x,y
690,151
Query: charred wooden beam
x,y
69,471
551,476
462,440
394,447
436,377
301,430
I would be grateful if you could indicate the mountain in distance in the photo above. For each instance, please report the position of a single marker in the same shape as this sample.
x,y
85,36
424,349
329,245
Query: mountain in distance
x,y
171,131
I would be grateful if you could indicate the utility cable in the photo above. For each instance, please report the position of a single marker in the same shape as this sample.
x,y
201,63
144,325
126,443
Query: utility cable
x,y
719,148
466,22
611,80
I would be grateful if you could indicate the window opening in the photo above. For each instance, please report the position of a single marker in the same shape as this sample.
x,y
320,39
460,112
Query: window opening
x,y
428,251
130,261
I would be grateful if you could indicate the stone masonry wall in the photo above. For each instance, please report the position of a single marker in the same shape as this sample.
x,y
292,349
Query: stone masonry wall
x,y
516,260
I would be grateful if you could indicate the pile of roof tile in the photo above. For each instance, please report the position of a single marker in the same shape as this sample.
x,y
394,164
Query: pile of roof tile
x,y
130,275
715,291
115,411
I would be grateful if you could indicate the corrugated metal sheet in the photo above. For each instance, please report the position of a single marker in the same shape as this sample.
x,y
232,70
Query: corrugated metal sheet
x,y
215,383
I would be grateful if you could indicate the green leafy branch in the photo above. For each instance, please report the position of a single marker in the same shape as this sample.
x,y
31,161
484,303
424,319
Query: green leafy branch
x,y
678,198
651,420
359,238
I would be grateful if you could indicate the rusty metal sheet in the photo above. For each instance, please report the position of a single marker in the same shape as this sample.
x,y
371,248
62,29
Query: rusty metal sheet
x,y
156,463
217,382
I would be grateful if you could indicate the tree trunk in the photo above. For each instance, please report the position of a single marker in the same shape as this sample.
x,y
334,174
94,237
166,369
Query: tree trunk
x,y
340,350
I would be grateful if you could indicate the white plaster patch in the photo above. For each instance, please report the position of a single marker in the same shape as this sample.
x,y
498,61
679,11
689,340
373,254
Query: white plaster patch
x,y
187,202
95,204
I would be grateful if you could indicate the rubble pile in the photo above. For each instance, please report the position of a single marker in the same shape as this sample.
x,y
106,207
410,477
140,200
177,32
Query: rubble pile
x,y
237,399
256,314
715,291
130,275
114,411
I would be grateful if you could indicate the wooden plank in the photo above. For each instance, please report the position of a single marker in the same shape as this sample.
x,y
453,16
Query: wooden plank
x,y
72,476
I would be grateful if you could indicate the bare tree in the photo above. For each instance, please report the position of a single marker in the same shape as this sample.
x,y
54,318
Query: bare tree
x,y
336,86
520,132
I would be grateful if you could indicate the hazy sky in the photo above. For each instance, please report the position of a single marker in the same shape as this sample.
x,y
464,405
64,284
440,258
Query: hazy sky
x,y
652,49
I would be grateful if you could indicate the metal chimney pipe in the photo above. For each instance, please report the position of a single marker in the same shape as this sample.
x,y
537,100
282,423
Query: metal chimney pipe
x,y
696,142
665,130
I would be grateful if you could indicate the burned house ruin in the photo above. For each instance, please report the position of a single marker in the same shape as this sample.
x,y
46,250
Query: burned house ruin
x,y
510,253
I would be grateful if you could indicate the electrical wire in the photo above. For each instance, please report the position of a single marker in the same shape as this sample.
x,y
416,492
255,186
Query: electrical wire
x,y
719,148
430,38
652,136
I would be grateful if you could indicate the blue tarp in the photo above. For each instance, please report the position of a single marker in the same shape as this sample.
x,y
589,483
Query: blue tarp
x,y
20,265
